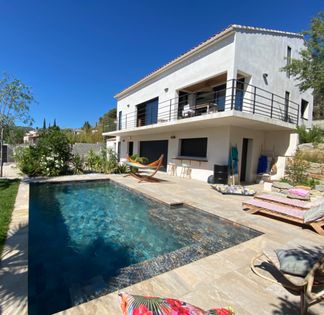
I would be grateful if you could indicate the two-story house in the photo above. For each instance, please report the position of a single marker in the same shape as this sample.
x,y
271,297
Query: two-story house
x,y
229,91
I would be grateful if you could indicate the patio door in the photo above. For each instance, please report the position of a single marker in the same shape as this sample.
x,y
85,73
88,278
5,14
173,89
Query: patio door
x,y
153,150
220,94
151,112
239,94
246,160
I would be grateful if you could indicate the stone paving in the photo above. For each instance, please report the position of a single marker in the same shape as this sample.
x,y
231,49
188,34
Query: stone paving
x,y
14,259
222,279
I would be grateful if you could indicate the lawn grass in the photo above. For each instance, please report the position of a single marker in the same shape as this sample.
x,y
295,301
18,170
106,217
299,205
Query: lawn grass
x,y
8,192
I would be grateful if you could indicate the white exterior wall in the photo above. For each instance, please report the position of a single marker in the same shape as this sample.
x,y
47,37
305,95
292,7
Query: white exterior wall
x,y
220,139
257,53
216,59
111,144
250,53
236,139
217,148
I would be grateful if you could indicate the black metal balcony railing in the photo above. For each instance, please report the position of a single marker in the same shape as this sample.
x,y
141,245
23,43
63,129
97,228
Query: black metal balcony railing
x,y
240,97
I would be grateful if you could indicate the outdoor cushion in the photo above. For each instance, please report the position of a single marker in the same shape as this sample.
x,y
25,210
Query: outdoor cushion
x,y
144,305
295,261
234,190
314,213
298,193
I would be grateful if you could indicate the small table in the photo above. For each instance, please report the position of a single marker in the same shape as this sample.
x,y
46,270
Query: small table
x,y
190,159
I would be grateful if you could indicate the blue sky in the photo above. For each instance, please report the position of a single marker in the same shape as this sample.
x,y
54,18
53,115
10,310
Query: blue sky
x,y
77,54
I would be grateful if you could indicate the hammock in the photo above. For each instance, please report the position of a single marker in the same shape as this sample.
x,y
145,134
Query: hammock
x,y
153,166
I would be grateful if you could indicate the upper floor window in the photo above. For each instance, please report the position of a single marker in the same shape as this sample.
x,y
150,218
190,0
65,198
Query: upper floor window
x,y
147,112
304,109
288,60
286,110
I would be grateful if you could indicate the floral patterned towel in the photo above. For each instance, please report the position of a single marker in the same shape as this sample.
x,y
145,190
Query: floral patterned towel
x,y
144,305
234,190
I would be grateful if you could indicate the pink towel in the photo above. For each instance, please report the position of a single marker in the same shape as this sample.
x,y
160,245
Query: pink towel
x,y
299,192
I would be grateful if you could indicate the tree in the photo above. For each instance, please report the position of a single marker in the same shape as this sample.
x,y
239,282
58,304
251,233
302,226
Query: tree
x,y
309,69
15,134
49,157
86,127
44,124
15,98
54,125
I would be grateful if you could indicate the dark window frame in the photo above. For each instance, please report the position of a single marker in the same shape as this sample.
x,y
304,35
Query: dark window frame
x,y
150,107
194,147
303,107
120,117
288,60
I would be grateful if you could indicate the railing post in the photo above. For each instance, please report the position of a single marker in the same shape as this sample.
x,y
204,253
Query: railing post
x,y
254,98
232,99
170,110
271,105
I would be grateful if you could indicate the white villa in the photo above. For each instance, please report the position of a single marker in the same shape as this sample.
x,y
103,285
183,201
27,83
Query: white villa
x,y
226,92
31,137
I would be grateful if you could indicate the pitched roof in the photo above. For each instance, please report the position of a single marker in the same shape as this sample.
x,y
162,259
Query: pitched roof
x,y
229,30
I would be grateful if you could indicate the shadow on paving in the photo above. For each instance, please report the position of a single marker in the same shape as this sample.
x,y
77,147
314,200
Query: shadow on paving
x,y
13,273
286,307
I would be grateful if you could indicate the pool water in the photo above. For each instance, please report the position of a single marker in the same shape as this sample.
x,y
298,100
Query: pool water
x,y
90,238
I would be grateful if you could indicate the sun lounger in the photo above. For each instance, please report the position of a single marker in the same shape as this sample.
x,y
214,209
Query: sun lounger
x,y
155,166
310,286
284,201
286,212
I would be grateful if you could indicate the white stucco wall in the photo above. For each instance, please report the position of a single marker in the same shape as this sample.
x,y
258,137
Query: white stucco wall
x,y
248,53
217,148
271,143
258,52
217,59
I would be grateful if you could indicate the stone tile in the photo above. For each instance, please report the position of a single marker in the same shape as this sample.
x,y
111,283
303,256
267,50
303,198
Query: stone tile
x,y
221,279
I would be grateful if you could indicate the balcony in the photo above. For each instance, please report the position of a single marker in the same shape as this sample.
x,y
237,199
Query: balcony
x,y
235,99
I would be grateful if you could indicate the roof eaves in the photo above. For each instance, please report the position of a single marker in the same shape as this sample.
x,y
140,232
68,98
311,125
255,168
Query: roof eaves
x,y
229,30
178,59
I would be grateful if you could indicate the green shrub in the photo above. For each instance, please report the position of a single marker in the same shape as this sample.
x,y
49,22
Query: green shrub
x,y
106,161
28,160
313,135
77,163
139,159
49,157
296,171
121,169
93,161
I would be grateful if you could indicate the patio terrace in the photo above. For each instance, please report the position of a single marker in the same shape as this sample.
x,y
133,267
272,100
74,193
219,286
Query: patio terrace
x,y
221,279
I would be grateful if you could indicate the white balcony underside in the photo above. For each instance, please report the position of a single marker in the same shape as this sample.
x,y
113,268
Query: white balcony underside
x,y
228,118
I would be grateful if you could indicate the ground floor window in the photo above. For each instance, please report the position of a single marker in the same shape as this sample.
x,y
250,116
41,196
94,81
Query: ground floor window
x,y
193,147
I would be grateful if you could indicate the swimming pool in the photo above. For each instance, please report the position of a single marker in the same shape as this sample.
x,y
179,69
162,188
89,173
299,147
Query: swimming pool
x,y
87,239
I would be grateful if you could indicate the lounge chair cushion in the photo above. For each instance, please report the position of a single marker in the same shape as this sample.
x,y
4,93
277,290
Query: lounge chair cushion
x,y
296,261
234,190
315,213
298,193
143,305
